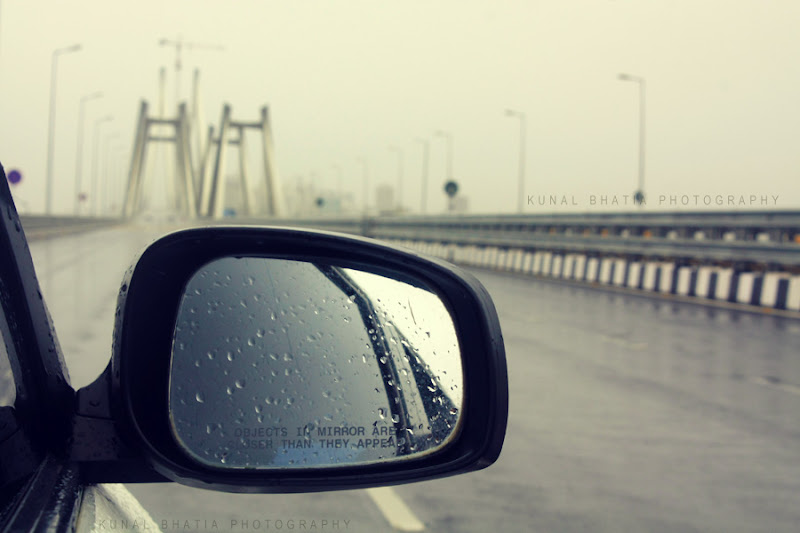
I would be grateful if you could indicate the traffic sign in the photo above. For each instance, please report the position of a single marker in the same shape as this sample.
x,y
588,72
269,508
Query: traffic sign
x,y
14,177
451,188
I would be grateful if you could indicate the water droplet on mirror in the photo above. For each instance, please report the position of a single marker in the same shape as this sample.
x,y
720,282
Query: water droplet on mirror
x,y
199,398
382,413
240,383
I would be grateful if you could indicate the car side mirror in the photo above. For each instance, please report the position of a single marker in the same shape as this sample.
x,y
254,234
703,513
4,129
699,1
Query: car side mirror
x,y
277,360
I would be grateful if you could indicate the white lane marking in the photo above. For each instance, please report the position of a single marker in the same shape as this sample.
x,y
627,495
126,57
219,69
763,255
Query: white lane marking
x,y
395,510
786,387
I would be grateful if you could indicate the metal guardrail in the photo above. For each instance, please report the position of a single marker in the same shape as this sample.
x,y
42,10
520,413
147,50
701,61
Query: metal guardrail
x,y
682,249
682,237
41,226
777,225
770,238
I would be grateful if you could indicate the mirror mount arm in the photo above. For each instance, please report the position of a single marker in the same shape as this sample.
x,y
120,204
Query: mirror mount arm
x,y
98,443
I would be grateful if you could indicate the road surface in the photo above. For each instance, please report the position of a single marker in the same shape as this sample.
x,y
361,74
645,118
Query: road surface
x,y
627,414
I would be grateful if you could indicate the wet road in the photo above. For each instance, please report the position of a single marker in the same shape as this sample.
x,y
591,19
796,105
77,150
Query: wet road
x,y
627,414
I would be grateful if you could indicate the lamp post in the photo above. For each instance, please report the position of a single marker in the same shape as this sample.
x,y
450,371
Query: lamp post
x,y
79,152
97,123
400,157
426,148
365,167
521,183
52,123
639,196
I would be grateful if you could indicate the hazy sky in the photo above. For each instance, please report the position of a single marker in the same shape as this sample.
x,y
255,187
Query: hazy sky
x,y
347,79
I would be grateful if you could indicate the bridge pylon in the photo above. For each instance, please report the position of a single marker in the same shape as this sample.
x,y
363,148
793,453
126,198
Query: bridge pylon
x,y
186,197
212,184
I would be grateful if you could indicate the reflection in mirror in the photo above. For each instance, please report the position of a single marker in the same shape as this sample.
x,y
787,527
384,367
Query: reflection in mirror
x,y
288,364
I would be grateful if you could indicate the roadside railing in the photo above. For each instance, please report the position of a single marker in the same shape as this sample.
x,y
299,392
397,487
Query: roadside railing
x,y
43,227
768,239
746,259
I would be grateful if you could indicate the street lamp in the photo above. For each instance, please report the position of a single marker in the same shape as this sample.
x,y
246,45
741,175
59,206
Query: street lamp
x,y
426,148
97,123
79,154
521,185
365,166
400,157
639,196
52,123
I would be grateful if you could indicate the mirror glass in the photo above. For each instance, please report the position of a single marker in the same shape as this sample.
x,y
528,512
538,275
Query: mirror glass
x,y
288,364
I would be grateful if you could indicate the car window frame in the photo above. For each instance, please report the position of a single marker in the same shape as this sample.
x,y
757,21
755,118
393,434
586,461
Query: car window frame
x,y
44,491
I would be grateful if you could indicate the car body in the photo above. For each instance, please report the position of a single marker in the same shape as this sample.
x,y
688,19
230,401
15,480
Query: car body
x,y
64,452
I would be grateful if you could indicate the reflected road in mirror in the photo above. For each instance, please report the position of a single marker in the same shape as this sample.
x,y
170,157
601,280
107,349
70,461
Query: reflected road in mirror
x,y
288,364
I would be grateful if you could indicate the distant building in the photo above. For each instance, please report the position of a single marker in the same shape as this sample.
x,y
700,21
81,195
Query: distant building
x,y
460,204
234,198
384,199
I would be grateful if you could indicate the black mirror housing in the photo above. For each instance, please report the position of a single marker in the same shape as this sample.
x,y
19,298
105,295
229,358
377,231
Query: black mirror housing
x,y
144,337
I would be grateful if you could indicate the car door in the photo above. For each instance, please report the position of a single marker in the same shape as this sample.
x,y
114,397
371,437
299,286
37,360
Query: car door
x,y
40,489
